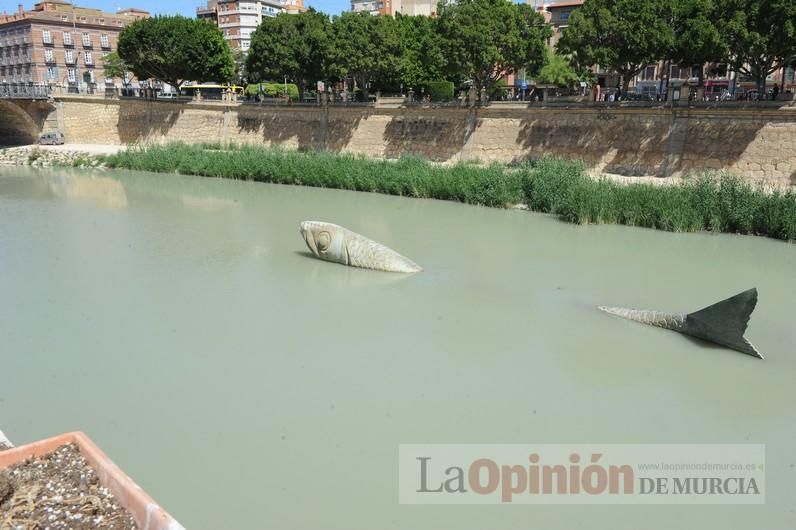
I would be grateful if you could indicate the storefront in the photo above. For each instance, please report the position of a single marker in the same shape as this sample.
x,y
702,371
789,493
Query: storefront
x,y
717,89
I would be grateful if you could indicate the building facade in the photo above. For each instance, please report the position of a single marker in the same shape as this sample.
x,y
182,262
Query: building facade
x,y
60,44
391,7
237,19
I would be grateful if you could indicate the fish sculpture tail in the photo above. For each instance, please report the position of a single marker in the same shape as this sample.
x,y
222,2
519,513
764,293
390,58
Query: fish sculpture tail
x,y
363,252
673,321
723,323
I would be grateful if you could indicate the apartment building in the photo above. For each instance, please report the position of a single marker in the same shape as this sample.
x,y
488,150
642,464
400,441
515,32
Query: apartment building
x,y
238,19
391,7
59,43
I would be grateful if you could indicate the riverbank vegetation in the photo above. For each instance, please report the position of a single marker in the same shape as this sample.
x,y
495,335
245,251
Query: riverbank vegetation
x,y
720,203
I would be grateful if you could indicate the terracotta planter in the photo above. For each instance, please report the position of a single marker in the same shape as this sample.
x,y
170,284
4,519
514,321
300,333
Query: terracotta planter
x,y
148,515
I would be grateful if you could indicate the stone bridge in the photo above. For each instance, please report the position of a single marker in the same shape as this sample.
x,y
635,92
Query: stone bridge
x,y
24,113
23,120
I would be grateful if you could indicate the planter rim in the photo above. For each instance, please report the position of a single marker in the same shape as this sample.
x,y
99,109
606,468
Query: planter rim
x,y
147,513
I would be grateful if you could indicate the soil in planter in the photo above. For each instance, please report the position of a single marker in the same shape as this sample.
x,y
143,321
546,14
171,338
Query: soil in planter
x,y
58,491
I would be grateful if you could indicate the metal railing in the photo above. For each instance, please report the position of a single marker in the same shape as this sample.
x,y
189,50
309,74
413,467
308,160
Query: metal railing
x,y
24,91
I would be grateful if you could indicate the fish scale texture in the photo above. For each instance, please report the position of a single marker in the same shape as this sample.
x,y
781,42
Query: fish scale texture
x,y
673,321
366,253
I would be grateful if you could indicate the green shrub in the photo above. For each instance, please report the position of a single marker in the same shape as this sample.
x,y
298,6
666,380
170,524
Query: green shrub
x,y
273,90
438,90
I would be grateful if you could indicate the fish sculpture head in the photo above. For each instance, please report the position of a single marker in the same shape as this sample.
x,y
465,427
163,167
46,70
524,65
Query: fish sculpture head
x,y
325,240
332,242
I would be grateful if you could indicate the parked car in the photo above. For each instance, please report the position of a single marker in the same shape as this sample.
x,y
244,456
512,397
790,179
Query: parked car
x,y
51,138
167,95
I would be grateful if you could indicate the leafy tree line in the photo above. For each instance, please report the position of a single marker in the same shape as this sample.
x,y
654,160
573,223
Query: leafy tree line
x,y
477,40
470,40
754,37
173,49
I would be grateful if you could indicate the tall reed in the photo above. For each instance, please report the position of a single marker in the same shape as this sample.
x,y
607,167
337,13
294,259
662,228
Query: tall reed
x,y
722,203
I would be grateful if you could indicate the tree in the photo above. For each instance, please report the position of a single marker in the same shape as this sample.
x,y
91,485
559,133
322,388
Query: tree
x,y
115,67
624,35
175,49
422,58
292,46
366,48
557,71
697,37
760,36
485,40
239,60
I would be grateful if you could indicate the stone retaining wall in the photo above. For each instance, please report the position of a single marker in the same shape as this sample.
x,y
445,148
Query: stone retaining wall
x,y
755,143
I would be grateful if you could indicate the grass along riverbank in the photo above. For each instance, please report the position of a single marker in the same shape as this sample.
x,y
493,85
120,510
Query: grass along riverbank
x,y
718,203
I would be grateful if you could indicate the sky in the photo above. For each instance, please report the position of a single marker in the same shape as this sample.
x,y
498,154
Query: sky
x,y
170,7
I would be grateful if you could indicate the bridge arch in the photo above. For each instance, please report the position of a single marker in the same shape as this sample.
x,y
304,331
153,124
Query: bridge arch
x,y
17,126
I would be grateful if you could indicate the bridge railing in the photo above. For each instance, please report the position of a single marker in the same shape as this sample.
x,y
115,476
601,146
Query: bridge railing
x,y
24,91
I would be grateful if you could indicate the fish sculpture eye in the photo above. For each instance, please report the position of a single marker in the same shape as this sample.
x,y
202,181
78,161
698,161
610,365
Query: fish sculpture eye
x,y
324,238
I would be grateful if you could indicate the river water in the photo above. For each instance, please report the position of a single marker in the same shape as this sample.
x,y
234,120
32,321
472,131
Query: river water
x,y
181,324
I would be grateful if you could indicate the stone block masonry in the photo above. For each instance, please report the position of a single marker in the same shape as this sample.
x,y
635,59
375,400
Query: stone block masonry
x,y
758,144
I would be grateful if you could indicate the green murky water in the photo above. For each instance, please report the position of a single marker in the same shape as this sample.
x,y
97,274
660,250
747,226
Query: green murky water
x,y
180,323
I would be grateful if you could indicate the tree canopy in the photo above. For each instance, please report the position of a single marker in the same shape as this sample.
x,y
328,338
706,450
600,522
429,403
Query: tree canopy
x,y
697,37
366,48
760,36
115,67
292,46
623,35
422,58
176,49
557,71
484,40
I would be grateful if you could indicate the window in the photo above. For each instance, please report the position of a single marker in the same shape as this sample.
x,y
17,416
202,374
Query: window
x,y
87,58
64,18
52,73
86,39
675,72
71,76
46,38
49,56
69,56
788,75
648,74
67,38
105,42
718,70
